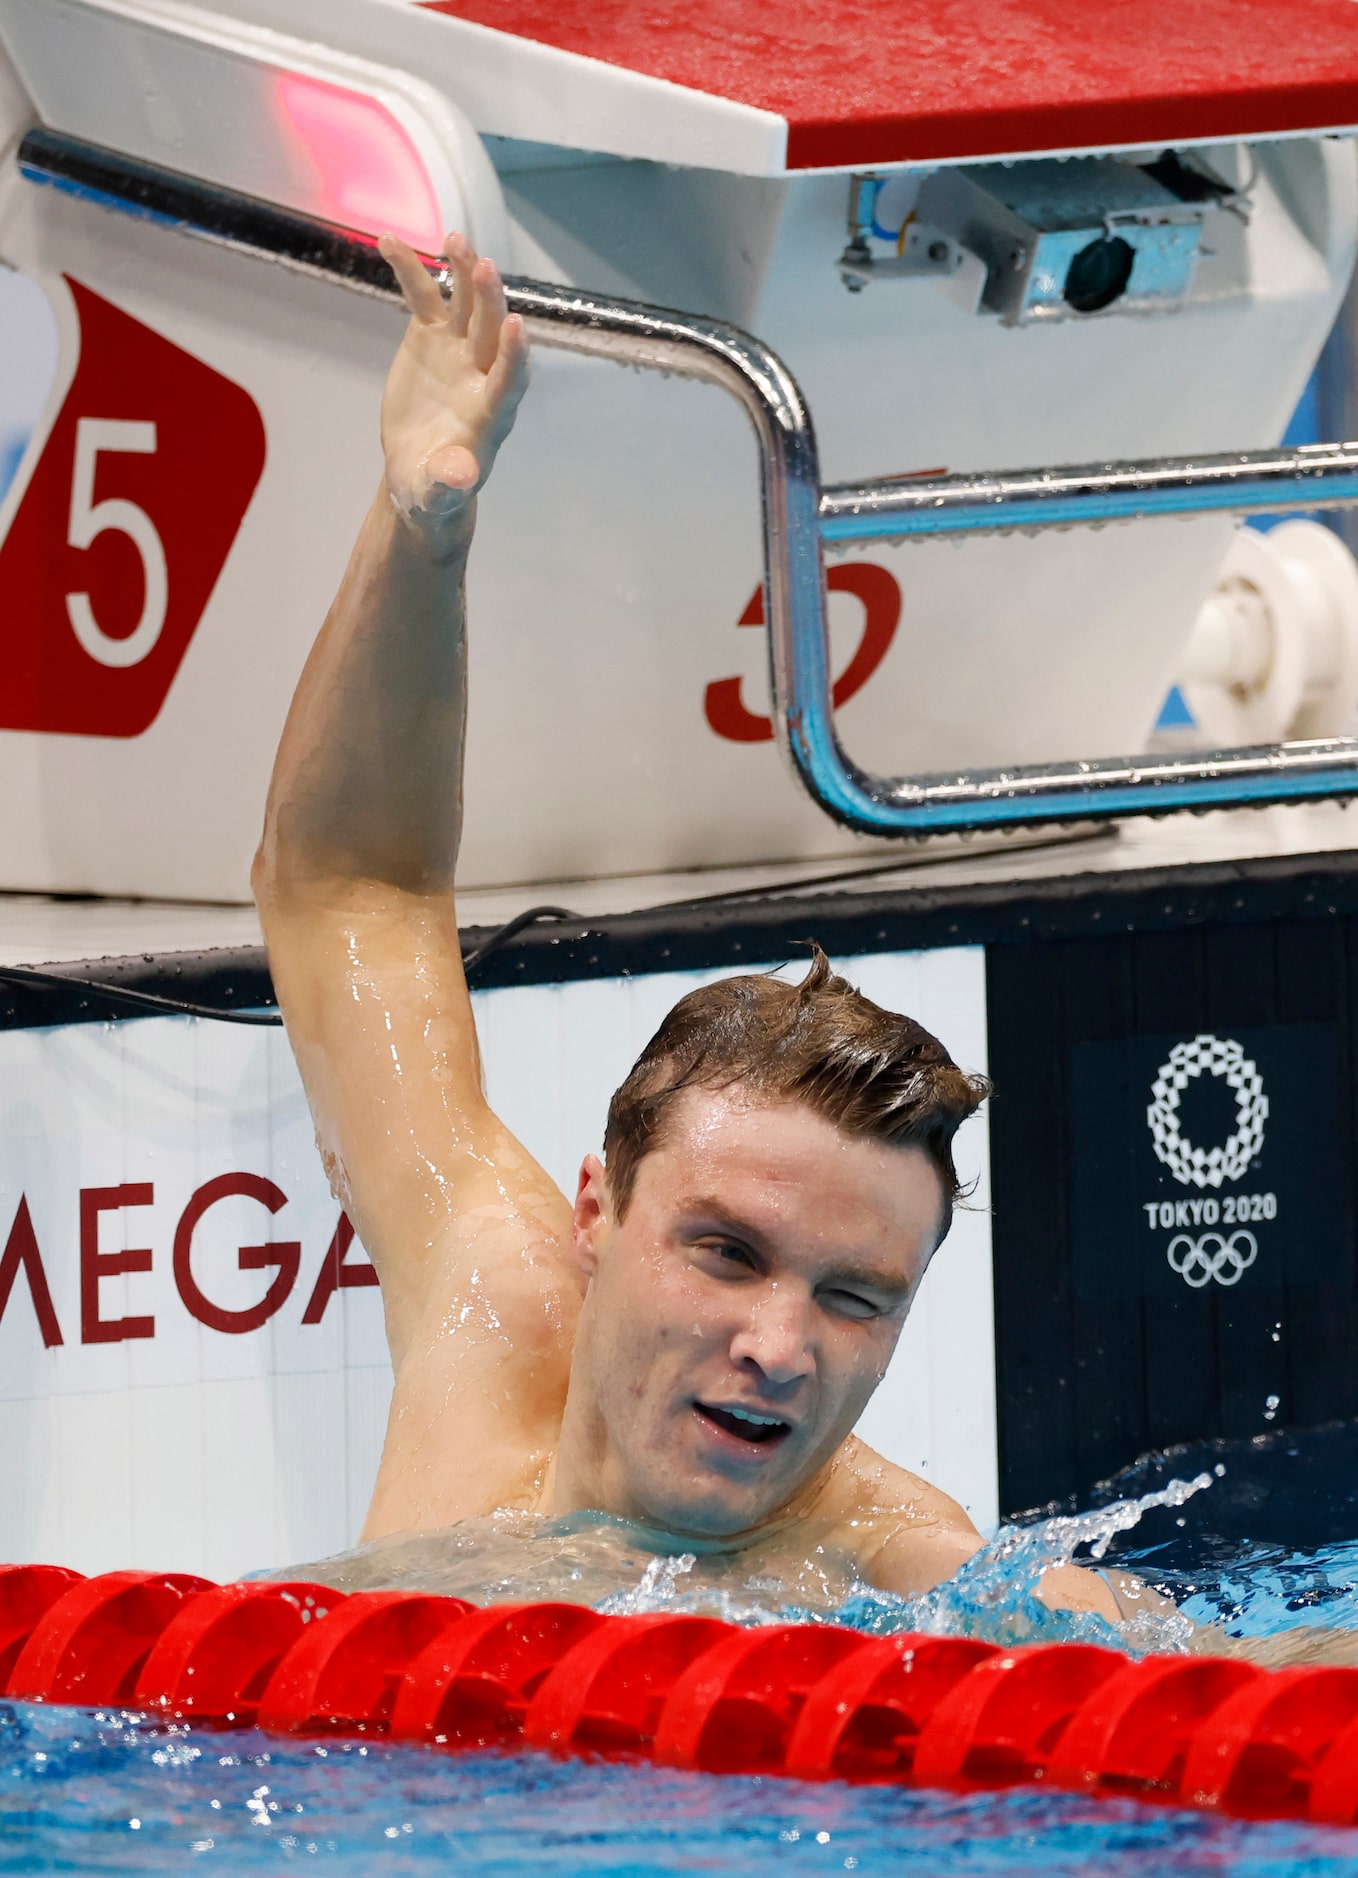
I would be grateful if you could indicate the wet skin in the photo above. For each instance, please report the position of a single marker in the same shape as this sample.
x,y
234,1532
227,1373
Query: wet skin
x,y
737,1319
549,1357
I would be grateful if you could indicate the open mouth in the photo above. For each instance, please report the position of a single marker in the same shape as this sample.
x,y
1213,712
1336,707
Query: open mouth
x,y
745,1424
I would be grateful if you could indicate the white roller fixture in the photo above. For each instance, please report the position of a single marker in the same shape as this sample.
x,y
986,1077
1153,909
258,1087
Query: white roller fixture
x,y
1274,652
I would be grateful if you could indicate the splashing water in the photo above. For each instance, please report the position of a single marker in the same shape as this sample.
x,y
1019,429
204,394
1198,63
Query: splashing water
x,y
626,1569
1272,1548
995,1594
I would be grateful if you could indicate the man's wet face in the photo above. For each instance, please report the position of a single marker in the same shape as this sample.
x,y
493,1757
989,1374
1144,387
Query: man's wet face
x,y
742,1313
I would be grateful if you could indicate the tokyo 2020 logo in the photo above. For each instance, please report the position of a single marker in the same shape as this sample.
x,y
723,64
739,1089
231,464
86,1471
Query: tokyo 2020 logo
x,y
1201,1167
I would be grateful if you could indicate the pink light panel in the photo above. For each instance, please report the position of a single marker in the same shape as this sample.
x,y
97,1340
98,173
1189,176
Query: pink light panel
x,y
367,173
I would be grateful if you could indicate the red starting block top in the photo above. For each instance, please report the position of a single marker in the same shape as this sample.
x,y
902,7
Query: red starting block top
x,y
859,83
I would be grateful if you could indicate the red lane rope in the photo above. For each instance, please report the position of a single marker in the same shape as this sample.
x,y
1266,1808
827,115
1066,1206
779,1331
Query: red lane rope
x,y
807,1700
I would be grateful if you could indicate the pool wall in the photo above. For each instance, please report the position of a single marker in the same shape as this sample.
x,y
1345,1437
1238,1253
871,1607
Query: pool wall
x,y
160,1405
221,1447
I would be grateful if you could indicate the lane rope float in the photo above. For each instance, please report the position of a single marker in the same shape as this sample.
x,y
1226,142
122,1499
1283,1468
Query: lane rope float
x,y
810,1701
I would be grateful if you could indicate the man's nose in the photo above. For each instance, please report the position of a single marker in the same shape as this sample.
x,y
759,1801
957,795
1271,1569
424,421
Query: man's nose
x,y
776,1339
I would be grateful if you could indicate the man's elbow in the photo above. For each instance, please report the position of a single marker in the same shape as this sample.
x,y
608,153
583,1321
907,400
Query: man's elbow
x,y
1114,1595
293,877
274,885
262,874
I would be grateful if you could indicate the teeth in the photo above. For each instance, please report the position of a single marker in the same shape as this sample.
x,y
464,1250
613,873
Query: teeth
x,y
748,1415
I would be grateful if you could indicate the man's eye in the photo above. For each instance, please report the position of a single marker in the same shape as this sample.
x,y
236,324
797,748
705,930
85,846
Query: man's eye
x,y
850,1304
728,1254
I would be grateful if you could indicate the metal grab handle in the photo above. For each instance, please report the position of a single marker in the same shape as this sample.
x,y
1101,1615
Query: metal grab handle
x,y
1316,476
799,517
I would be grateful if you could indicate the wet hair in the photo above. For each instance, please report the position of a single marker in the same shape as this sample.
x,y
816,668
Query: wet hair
x,y
873,1073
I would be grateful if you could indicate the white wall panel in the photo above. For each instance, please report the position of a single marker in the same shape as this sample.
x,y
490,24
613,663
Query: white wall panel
x,y
935,1409
190,1447
197,1448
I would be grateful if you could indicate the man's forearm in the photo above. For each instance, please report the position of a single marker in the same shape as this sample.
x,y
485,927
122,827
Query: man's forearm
x,y
368,780
1286,1649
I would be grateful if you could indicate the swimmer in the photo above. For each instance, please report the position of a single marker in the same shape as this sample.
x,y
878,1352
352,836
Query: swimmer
x,y
689,1345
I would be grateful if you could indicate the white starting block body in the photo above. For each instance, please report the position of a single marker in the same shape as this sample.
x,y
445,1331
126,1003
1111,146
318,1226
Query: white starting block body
x,y
193,438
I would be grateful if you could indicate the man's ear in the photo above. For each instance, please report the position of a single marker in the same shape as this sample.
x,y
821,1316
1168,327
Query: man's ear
x,y
592,1218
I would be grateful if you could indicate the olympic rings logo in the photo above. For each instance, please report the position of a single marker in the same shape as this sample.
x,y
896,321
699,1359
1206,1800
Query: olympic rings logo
x,y
1199,1261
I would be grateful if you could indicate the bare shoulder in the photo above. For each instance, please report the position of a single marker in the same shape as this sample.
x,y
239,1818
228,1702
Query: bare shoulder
x,y
906,1535
909,1536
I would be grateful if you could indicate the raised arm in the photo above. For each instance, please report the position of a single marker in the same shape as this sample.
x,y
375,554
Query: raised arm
x,y
354,881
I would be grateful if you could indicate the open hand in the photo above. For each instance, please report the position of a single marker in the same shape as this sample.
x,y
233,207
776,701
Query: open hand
x,y
453,387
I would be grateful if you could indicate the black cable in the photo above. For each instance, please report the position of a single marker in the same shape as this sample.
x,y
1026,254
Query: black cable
x,y
124,994
773,888
768,890
183,1007
511,929
901,864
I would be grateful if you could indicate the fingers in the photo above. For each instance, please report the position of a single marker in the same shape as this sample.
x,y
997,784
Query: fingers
x,y
487,314
507,379
476,308
461,259
421,294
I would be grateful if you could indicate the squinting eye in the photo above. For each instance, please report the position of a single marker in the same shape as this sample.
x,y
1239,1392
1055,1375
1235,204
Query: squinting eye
x,y
849,1304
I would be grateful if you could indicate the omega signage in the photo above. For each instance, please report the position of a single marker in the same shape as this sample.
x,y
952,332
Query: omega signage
x,y
1207,1163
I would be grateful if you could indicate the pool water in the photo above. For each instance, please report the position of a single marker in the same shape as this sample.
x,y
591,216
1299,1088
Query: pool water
x,y
1265,1542
109,1795
1272,1546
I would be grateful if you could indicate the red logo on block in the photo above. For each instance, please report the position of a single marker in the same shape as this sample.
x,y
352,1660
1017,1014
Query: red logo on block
x,y
880,594
123,530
